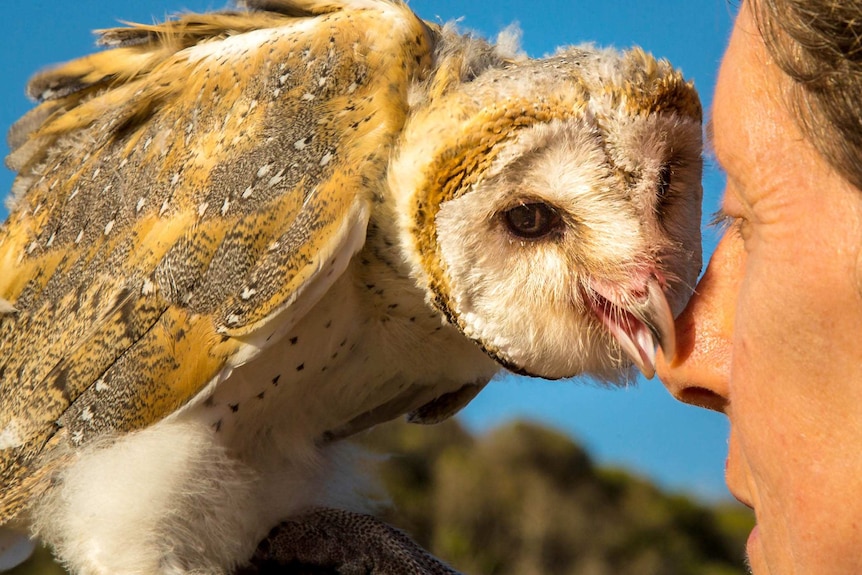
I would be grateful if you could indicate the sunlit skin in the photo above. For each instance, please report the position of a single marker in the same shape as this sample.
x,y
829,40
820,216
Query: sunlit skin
x,y
773,336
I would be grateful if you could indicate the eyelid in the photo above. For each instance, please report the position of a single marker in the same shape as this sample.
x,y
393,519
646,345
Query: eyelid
x,y
733,202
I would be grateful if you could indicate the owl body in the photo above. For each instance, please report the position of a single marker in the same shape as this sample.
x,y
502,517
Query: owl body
x,y
263,444
238,238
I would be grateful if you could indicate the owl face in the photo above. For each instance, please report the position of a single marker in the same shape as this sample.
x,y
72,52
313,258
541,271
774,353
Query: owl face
x,y
562,252
579,242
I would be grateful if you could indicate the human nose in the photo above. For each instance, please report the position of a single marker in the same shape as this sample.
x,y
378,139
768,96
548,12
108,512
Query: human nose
x,y
700,371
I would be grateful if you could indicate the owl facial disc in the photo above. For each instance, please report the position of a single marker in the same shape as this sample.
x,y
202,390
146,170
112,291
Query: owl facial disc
x,y
639,320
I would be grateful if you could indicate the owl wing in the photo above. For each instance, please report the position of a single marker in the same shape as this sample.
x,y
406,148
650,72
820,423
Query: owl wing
x,y
181,198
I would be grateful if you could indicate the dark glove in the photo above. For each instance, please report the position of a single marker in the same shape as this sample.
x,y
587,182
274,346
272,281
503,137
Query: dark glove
x,y
327,541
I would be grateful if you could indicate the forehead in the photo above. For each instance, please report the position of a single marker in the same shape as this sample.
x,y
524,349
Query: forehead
x,y
753,133
742,102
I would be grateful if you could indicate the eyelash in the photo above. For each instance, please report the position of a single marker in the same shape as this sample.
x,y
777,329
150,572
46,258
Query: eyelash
x,y
726,223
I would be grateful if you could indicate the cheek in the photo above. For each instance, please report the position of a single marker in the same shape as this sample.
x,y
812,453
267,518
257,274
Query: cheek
x,y
523,301
796,397
783,353
528,301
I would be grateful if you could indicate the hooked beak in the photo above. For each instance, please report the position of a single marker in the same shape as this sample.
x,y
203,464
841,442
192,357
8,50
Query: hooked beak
x,y
639,324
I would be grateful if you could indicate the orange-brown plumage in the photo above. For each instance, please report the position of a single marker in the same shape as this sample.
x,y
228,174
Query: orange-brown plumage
x,y
77,252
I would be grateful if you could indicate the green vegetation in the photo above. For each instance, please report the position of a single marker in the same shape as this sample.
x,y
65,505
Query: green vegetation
x,y
526,500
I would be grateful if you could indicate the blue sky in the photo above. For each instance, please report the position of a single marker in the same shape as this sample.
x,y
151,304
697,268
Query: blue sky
x,y
640,427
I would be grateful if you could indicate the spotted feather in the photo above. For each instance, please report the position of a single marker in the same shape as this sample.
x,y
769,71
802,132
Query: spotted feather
x,y
173,198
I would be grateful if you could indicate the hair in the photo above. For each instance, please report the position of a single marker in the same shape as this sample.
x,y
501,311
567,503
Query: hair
x,y
818,44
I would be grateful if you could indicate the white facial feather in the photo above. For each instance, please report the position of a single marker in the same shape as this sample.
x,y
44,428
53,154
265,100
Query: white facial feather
x,y
521,296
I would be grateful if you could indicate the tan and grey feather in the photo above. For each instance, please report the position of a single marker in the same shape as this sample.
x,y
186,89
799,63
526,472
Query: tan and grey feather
x,y
236,238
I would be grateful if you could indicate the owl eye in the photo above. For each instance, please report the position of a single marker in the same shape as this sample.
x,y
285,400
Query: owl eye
x,y
532,221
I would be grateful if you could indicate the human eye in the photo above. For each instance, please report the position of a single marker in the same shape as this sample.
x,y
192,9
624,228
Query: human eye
x,y
728,224
721,220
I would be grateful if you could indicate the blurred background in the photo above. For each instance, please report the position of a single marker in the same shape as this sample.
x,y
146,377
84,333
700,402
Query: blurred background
x,y
637,437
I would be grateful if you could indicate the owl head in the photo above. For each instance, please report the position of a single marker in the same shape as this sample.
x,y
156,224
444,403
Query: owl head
x,y
551,209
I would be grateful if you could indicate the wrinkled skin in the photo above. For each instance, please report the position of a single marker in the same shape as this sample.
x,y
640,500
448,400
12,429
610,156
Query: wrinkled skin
x,y
772,337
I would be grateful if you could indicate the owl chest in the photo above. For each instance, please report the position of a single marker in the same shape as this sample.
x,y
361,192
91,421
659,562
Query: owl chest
x,y
367,347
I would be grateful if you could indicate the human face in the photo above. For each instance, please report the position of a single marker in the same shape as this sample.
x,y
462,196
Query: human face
x,y
773,336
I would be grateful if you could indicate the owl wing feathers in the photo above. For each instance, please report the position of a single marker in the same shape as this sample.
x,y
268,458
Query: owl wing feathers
x,y
180,199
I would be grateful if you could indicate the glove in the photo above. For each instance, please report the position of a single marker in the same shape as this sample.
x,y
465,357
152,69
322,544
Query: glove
x,y
325,541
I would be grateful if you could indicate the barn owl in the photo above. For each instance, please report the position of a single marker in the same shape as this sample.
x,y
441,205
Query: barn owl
x,y
238,238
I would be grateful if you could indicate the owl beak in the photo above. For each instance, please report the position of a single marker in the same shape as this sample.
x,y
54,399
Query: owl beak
x,y
638,324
